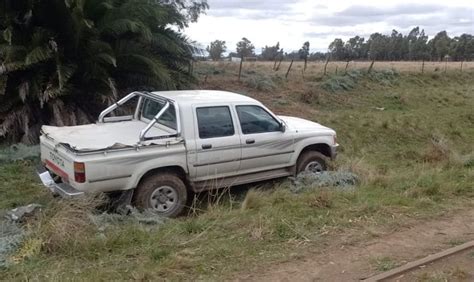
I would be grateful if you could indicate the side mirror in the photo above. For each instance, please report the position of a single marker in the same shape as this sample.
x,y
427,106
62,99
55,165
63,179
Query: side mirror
x,y
282,127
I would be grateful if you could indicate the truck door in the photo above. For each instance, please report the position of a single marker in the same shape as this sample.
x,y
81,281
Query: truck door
x,y
265,145
217,142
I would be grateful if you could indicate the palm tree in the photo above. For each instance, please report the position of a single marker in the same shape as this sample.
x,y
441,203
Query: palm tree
x,y
64,60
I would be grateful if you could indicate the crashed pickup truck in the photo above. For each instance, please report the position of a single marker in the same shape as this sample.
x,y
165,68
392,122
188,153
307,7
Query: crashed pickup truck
x,y
177,142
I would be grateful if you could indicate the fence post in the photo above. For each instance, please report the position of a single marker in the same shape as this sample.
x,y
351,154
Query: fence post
x,y
240,67
289,69
326,65
461,65
279,63
446,65
371,66
345,69
423,66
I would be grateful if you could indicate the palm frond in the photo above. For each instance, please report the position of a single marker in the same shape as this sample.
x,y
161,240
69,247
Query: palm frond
x,y
122,27
38,54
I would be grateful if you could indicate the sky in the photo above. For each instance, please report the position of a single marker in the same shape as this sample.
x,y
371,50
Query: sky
x,y
266,22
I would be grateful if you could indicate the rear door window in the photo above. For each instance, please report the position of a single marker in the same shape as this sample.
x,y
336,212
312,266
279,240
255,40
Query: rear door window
x,y
214,122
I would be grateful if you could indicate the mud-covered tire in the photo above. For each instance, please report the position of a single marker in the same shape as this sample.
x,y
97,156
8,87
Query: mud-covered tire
x,y
163,193
316,160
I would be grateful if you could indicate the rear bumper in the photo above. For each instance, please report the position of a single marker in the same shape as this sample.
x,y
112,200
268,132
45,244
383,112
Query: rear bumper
x,y
61,189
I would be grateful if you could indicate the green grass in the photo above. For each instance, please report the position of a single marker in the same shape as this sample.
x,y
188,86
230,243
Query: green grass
x,y
384,263
414,158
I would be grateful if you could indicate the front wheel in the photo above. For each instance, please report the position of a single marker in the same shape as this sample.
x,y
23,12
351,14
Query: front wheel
x,y
311,161
163,193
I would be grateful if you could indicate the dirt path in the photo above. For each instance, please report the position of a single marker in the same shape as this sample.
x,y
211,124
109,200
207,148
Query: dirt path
x,y
341,262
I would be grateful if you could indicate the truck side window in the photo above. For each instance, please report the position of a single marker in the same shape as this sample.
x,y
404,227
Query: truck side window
x,y
214,122
151,108
254,119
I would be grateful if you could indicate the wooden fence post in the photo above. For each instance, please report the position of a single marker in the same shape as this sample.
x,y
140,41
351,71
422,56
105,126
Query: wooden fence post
x,y
461,65
423,66
326,65
345,69
279,63
240,67
446,65
289,69
371,66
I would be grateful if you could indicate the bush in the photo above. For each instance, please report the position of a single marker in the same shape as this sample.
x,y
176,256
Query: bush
x,y
349,80
260,82
18,152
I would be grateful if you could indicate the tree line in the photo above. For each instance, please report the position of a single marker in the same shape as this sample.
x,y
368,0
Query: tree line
x,y
394,47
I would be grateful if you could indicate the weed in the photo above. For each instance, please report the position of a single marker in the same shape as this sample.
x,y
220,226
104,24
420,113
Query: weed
x,y
254,200
260,82
67,222
438,150
384,263
322,199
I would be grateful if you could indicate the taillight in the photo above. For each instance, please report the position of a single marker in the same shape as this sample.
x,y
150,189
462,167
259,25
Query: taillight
x,y
335,140
79,172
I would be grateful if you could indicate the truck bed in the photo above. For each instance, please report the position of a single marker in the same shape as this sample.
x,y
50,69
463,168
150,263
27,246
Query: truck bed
x,y
101,135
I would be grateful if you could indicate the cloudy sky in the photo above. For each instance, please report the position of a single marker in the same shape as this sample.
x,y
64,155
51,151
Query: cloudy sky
x,y
292,22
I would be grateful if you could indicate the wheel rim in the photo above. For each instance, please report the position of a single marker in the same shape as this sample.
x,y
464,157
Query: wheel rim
x,y
164,199
314,167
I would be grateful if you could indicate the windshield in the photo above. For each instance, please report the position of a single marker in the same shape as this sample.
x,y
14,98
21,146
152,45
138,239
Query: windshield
x,y
168,118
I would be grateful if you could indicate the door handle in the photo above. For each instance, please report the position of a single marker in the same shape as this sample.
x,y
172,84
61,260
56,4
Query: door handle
x,y
206,146
250,141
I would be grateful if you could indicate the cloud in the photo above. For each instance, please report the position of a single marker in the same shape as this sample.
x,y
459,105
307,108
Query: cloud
x,y
277,5
401,16
293,22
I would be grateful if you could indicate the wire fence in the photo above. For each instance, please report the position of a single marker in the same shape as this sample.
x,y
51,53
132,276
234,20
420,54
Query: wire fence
x,y
321,68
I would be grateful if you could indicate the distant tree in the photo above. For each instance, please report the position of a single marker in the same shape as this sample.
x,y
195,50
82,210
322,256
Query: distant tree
x,y
396,46
304,53
270,53
317,56
337,50
245,48
440,45
378,46
216,49
295,55
462,47
355,48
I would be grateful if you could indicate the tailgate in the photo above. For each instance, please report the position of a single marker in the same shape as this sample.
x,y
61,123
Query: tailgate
x,y
57,159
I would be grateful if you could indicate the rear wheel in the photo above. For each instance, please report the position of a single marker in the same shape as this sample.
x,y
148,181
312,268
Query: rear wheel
x,y
311,161
163,193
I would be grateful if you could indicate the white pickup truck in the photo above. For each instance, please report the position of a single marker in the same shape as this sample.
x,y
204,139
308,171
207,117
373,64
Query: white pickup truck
x,y
175,142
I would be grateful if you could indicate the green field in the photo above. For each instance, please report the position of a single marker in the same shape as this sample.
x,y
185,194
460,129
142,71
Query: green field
x,y
409,137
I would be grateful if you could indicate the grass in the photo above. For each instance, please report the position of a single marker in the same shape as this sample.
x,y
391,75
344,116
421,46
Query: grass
x,y
384,263
414,159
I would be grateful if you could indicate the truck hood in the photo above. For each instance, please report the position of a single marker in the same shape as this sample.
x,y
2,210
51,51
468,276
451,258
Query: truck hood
x,y
300,124
99,136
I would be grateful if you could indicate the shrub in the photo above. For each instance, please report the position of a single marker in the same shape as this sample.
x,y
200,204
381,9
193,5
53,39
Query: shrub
x,y
260,82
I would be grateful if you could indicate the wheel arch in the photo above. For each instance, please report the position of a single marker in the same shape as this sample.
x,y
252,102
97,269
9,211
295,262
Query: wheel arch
x,y
323,148
174,169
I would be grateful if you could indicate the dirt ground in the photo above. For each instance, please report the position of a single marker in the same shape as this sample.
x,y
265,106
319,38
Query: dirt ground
x,y
459,267
346,261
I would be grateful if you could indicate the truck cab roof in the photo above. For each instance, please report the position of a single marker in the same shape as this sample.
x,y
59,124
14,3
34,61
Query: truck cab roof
x,y
190,97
